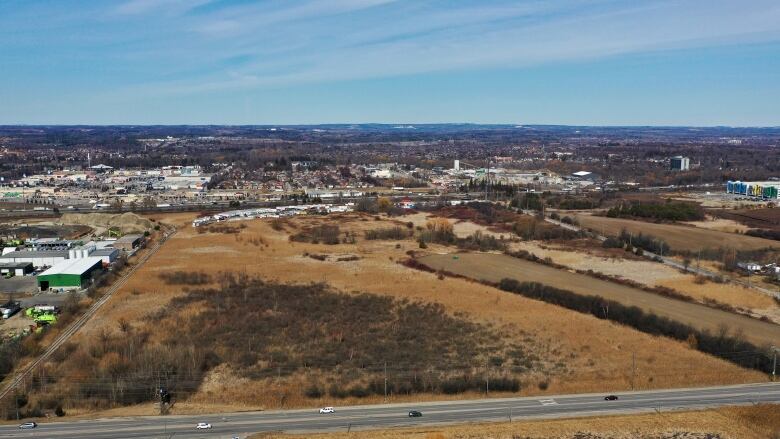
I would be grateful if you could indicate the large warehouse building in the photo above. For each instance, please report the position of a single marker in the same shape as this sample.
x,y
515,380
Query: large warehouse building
x,y
69,274
39,259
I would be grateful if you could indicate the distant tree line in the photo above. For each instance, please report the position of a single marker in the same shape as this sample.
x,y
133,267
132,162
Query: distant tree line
x,y
668,211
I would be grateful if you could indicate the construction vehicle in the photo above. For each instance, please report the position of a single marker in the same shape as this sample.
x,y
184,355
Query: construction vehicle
x,y
45,319
42,314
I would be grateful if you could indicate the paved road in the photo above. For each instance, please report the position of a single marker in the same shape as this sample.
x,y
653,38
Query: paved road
x,y
395,415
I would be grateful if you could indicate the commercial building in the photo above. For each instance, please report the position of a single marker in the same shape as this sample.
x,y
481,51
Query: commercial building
x,y
766,190
16,268
128,242
680,163
108,254
37,258
70,274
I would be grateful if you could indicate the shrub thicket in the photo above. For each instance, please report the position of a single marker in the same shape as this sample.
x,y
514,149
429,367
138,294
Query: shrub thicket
x,y
645,242
668,211
389,233
185,278
764,233
325,234
730,347
269,331
481,241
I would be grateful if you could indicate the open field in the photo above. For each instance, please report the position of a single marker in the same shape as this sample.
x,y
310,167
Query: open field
x,y
754,422
719,224
678,237
494,267
765,218
573,352
653,274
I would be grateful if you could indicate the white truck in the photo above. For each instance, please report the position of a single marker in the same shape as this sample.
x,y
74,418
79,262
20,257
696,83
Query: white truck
x,y
9,308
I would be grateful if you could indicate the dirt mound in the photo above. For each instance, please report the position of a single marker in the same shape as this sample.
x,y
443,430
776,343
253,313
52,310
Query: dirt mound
x,y
126,222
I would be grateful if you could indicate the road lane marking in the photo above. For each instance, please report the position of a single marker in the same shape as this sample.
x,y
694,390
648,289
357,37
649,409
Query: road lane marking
x,y
548,402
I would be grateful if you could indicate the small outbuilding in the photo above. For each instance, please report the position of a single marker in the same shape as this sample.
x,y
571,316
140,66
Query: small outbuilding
x,y
129,242
70,274
16,268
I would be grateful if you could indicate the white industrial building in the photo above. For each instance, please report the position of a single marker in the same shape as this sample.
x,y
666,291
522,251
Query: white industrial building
x,y
37,258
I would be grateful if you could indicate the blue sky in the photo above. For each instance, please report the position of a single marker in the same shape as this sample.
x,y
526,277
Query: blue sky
x,y
600,62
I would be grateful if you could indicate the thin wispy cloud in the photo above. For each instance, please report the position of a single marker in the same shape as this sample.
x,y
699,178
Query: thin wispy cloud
x,y
189,47
312,41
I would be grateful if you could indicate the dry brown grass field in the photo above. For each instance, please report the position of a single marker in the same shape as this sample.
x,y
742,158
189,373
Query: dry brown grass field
x,y
754,422
654,274
494,267
719,224
679,237
597,354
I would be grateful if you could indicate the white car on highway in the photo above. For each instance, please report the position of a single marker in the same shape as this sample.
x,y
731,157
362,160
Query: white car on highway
x,y
326,410
203,426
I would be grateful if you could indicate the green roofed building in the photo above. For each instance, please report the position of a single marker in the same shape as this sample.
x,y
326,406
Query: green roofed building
x,y
69,274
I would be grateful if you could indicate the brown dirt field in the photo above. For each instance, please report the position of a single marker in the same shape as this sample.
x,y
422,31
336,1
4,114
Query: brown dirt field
x,y
597,353
654,274
719,224
494,267
678,237
755,422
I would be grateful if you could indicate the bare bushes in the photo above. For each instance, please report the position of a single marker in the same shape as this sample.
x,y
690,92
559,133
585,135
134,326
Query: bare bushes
x,y
722,344
326,234
389,233
185,278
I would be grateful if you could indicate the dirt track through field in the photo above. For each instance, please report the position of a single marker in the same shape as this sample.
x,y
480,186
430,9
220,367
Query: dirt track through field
x,y
679,237
494,267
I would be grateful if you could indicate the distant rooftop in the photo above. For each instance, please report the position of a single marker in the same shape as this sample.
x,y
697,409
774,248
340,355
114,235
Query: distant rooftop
x,y
36,254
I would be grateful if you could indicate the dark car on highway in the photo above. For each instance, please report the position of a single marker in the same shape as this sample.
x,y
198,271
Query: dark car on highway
x,y
414,414
611,398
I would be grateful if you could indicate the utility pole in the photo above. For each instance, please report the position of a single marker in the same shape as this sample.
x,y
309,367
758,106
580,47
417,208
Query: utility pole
x,y
385,381
633,369
774,362
487,379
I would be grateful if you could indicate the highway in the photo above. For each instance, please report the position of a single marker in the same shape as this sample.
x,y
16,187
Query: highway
x,y
396,415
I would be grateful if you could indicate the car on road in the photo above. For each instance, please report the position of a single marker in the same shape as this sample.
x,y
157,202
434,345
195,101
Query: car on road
x,y
28,425
611,398
203,426
326,410
415,414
